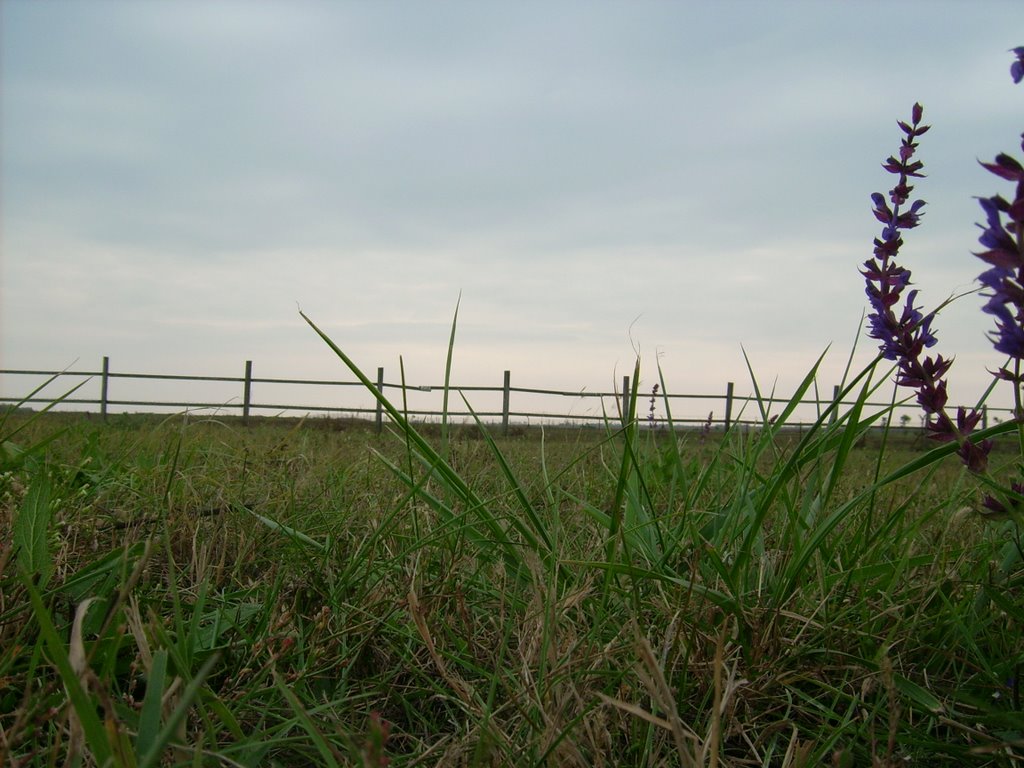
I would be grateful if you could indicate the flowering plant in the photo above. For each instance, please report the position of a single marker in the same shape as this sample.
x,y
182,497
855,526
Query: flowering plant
x,y
906,333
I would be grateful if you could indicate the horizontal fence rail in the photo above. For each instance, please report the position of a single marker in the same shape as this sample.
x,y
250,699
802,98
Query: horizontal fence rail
x,y
623,402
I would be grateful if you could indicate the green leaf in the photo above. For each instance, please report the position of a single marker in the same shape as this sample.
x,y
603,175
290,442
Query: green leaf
x,y
918,695
100,577
31,530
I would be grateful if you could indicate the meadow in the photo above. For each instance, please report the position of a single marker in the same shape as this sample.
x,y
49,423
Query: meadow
x,y
299,593
192,591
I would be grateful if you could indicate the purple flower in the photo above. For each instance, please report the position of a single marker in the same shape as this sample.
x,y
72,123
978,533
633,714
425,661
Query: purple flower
x,y
1002,237
903,331
1004,284
884,278
1017,68
1005,507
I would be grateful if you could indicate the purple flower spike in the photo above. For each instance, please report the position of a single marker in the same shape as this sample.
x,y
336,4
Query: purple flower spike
x,y
1003,240
906,333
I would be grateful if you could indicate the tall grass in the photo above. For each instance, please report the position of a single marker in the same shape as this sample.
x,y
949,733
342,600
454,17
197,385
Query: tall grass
x,y
192,592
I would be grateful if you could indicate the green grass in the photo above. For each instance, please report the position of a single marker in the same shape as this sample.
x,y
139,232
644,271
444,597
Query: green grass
x,y
191,591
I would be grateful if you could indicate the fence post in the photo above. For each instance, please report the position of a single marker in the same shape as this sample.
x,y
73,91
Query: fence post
x,y
984,416
247,392
835,400
380,406
103,387
728,405
505,396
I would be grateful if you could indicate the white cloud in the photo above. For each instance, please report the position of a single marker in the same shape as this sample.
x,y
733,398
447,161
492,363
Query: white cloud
x,y
176,177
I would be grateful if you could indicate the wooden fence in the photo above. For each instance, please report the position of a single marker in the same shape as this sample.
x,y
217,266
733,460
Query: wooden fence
x,y
622,402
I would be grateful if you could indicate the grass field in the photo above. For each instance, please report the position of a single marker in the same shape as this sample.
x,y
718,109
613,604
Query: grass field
x,y
192,591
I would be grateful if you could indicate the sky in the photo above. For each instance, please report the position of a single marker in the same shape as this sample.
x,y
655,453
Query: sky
x,y
584,181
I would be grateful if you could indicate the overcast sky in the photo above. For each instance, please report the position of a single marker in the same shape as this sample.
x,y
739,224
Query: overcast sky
x,y
180,178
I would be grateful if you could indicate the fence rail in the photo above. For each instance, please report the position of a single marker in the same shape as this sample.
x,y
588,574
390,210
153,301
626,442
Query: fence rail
x,y
623,402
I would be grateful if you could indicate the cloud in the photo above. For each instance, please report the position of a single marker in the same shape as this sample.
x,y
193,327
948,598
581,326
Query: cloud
x,y
181,175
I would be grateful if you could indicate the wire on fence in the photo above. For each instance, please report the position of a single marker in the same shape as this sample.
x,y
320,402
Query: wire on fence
x,y
623,401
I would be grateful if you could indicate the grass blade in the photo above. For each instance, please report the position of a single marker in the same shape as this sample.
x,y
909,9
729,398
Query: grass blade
x,y
287,530
327,752
96,735
163,738
149,717
448,381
